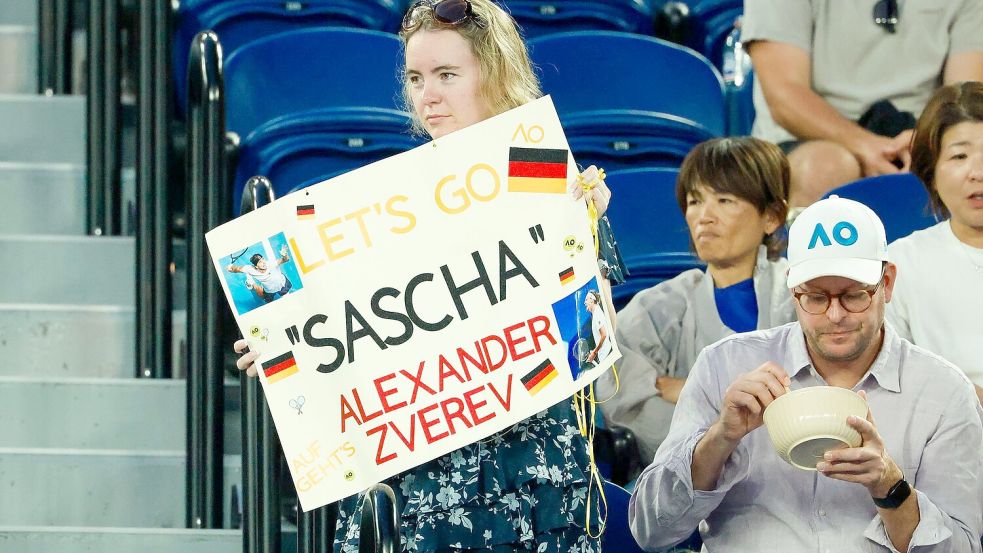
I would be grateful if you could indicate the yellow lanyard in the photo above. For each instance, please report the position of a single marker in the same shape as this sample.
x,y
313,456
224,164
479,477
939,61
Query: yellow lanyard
x,y
584,398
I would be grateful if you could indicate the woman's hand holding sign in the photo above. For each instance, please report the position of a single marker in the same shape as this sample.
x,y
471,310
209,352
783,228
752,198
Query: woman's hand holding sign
x,y
597,190
247,361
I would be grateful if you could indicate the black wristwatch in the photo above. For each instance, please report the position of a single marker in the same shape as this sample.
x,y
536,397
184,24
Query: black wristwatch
x,y
895,496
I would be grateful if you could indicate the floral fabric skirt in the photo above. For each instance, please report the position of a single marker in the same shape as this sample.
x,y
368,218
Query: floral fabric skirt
x,y
523,489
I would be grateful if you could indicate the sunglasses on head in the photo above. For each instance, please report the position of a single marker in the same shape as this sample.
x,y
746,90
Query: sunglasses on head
x,y
886,15
446,12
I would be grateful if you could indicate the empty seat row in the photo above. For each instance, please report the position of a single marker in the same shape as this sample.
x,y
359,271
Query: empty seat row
x,y
304,113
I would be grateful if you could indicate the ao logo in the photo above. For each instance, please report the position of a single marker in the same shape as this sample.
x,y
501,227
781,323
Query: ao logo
x,y
844,233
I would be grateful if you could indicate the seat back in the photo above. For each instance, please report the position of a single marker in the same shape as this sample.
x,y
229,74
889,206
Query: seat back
x,y
310,104
243,21
900,200
307,70
617,533
710,23
644,214
740,106
542,17
590,71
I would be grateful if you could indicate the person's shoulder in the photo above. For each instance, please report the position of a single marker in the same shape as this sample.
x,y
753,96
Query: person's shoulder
x,y
676,290
926,370
918,240
766,340
776,269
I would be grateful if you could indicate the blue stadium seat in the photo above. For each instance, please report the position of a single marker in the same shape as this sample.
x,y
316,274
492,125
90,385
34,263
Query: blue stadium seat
x,y
651,232
710,21
241,21
900,200
306,108
740,107
645,216
627,100
617,533
542,17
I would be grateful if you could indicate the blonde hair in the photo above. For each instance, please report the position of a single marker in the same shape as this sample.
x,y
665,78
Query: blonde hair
x,y
506,76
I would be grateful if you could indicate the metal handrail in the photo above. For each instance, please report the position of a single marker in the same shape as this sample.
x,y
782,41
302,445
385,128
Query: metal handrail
x,y
316,529
54,47
153,240
261,494
379,532
103,109
207,206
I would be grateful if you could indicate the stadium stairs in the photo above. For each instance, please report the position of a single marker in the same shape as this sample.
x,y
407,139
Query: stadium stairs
x,y
92,458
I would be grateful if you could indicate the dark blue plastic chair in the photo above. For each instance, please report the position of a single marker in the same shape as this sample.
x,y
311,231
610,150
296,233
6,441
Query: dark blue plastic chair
x,y
900,200
626,100
645,216
239,22
709,24
651,231
542,17
305,107
617,534
740,107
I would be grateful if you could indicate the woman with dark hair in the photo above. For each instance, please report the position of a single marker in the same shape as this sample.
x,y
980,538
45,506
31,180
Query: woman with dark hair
x,y
525,488
732,192
937,302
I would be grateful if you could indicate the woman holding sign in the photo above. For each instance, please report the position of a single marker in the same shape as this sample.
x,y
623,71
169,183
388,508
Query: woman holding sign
x,y
523,489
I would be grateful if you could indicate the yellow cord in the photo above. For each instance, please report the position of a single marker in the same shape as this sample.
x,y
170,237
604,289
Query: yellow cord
x,y
585,397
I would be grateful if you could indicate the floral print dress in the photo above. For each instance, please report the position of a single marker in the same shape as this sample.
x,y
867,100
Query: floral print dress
x,y
522,489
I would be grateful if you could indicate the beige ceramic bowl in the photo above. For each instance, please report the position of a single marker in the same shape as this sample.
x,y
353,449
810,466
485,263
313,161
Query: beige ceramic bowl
x,y
804,424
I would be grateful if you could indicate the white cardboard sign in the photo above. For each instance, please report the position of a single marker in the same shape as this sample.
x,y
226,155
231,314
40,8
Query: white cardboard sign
x,y
418,304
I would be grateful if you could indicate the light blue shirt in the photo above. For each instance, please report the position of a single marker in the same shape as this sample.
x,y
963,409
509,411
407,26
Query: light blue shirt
x,y
924,408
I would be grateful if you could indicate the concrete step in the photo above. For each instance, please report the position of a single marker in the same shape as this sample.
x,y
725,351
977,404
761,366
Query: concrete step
x,y
74,487
44,340
18,59
102,413
41,129
39,539
19,12
50,198
78,270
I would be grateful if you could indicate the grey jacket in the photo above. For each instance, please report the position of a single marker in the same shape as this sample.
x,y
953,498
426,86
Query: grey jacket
x,y
661,331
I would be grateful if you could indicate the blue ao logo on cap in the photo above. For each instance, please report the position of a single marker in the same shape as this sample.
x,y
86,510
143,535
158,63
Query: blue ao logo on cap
x,y
836,237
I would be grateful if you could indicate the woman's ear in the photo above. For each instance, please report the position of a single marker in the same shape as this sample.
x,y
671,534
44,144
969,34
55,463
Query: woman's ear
x,y
773,218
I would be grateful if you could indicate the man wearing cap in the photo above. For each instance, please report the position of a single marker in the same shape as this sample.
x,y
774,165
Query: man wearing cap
x,y
914,484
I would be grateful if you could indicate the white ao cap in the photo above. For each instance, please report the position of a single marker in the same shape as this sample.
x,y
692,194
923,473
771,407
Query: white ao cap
x,y
836,237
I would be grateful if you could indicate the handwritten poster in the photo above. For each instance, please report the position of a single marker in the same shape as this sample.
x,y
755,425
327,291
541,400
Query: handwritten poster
x,y
421,303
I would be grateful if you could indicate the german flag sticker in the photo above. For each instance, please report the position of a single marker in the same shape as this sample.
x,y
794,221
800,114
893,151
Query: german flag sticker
x,y
305,212
540,170
280,367
538,378
567,276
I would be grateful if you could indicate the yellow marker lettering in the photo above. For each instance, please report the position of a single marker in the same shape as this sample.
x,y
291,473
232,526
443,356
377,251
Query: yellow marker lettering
x,y
460,193
535,134
410,218
304,268
358,216
328,240
495,187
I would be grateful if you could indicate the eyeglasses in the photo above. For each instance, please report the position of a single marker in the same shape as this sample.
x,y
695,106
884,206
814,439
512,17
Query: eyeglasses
x,y
886,15
856,301
446,12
